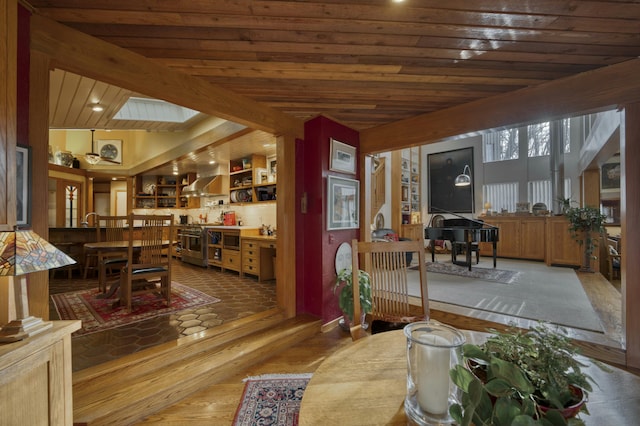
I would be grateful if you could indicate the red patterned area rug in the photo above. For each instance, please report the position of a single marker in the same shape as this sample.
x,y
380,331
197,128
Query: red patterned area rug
x,y
271,399
100,314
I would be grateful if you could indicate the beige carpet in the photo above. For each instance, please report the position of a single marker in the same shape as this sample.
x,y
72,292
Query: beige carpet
x,y
538,292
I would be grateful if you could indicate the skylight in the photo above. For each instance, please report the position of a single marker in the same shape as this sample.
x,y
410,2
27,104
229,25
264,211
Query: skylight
x,y
146,109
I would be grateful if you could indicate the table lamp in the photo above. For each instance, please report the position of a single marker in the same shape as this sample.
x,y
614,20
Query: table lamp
x,y
23,252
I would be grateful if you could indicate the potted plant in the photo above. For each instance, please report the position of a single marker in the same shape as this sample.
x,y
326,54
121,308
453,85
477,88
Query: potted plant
x,y
344,281
521,378
583,223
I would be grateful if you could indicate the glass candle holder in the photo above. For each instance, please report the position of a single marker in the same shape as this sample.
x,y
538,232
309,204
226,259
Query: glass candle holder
x,y
432,350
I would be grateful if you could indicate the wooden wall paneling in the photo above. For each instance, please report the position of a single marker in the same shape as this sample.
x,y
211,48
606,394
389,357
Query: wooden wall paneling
x,y
8,135
591,188
106,62
595,90
630,212
39,142
286,208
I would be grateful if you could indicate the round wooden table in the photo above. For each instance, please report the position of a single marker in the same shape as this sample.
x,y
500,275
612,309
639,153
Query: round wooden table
x,y
365,384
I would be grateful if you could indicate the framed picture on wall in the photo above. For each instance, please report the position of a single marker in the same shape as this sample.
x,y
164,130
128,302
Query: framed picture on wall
x,y
23,185
343,157
610,177
110,149
343,198
444,167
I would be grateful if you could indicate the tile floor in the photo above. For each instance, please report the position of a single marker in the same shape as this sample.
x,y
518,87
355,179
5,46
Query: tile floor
x,y
240,297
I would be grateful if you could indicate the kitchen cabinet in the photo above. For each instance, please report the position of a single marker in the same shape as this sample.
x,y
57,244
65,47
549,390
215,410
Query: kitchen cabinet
x,y
249,180
153,192
224,247
35,378
258,257
413,231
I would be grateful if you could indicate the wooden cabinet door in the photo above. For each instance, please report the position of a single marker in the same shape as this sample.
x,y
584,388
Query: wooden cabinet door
x,y
532,235
509,242
562,249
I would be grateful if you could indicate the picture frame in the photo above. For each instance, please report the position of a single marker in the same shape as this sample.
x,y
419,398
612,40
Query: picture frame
x,y
110,148
343,203
272,169
443,168
23,185
610,177
343,157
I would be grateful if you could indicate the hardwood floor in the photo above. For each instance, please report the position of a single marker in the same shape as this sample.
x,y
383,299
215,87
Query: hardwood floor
x,y
217,404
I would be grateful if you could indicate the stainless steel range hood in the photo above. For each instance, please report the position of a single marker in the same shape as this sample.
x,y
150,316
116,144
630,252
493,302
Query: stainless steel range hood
x,y
208,186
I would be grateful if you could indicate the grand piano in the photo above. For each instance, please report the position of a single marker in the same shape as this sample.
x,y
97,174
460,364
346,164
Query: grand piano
x,y
462,230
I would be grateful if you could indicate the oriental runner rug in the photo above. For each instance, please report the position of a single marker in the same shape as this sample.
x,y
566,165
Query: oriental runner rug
x,y
271,399
101,314
484,274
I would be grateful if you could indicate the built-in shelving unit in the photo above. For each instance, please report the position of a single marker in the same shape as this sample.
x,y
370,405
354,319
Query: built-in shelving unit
x,y
249,180
410,185
153,192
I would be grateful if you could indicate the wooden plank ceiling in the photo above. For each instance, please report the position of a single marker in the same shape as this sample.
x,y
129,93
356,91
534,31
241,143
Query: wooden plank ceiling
x,y
365,62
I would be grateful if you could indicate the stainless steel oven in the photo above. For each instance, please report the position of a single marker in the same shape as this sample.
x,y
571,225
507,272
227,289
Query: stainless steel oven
x,y
194,245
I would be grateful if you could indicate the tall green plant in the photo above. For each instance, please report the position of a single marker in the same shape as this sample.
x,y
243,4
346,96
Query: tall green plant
x,y
345,299
586,224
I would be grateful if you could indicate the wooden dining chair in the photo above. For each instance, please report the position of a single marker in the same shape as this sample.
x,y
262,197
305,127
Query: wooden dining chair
x,y
109,263
148,267
386,263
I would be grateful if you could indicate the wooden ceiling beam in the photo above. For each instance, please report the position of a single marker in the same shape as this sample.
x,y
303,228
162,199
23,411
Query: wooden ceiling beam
x,y
77,52
601,89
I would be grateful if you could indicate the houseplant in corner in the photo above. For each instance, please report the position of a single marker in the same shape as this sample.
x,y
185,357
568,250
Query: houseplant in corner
x,y
344,282
521,378
586,224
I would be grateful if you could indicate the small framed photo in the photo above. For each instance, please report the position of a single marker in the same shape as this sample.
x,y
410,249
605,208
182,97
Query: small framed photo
x,y
343,211
343,157
23,185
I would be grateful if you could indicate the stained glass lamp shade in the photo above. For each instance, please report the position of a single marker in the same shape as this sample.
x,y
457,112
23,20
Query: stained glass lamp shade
x,y
23,252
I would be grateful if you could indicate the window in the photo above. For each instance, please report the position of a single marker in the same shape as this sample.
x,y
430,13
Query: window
x,y
539,139
501,145
539,191
566,123
501,195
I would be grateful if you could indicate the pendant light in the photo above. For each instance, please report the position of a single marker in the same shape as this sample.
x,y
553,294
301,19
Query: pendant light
x,y
92,157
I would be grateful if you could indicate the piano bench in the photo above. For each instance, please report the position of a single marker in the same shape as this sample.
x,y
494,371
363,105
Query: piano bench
x,y
460,248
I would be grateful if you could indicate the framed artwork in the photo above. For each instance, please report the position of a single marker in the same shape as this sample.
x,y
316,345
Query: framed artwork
x,y
343,157
444,167
271,168
343,198
111,149
23,185
610,176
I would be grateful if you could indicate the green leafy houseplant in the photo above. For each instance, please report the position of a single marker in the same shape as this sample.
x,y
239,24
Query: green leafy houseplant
x,y
586,224
521,378
344,280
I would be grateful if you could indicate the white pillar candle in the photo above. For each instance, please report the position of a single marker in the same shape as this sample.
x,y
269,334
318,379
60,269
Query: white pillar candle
x,y
433,374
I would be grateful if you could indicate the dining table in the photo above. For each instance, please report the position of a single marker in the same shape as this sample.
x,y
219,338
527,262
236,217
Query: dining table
x,y
365,384
116,246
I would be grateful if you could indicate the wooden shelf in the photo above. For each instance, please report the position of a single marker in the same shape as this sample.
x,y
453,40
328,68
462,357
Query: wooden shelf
x,y
167,191
247,184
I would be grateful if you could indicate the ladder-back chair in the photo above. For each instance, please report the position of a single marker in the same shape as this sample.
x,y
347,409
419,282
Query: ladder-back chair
x,y
148,267
387,265
110,228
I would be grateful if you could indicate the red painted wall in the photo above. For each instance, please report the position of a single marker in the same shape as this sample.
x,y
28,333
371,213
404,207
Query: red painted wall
x,y
316,246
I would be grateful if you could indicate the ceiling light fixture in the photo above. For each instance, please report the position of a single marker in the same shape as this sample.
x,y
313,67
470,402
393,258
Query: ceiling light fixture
x,y
97,107
92,157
